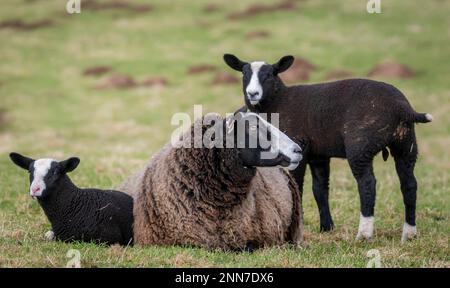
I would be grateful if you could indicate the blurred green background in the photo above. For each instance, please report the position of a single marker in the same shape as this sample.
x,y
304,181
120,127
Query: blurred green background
x,y
104,84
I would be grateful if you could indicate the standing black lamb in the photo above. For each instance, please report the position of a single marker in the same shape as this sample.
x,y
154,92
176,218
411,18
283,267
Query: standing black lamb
x,y
353,119
76,214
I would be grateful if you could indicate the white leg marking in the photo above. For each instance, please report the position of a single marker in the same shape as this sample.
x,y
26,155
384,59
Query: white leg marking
x,y
49,236
409,232
365,229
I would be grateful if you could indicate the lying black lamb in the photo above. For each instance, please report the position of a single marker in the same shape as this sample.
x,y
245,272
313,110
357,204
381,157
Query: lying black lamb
x,y
90,215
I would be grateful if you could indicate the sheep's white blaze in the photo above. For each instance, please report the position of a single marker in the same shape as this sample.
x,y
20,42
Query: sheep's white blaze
x,y
429,117
281,143
254,86
365,229
408,232
41,167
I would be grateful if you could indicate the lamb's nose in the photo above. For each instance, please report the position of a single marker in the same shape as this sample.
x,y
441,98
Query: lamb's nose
x,y
35,189
253,94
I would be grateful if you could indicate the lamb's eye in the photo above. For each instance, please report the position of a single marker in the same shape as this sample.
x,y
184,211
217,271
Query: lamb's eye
x,y
253,128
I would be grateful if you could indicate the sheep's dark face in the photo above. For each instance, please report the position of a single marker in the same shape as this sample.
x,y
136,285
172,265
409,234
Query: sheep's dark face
x,y
259,78
45,174
260,144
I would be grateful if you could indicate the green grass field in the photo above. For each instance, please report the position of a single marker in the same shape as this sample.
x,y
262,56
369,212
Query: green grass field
x,y
51,109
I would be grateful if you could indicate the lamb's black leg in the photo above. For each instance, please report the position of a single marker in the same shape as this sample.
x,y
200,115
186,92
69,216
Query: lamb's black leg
x,y
320,171
405,160
362,170
299,175
299,172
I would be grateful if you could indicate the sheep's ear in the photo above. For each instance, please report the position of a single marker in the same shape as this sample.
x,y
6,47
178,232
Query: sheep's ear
x,y
232,120
20,160
70,164
234,62
229,124
243,109
283,64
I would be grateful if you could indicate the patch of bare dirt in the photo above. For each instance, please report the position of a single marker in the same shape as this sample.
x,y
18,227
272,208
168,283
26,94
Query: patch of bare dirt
x,y
123,81
97,71
155,81
224,78
95,5
257,34
202,68
257,9
117,81
299,71
18,24
212,7
392,69
338,74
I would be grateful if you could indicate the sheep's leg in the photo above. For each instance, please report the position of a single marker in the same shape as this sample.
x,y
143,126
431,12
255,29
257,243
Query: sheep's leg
x,y
320,171
299,175
362,170
405,160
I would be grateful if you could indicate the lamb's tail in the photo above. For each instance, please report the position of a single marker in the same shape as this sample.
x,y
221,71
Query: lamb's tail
x,y
409,115
422,117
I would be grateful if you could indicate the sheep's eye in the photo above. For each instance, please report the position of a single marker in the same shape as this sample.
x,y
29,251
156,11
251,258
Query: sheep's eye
x,y
253,127
265,77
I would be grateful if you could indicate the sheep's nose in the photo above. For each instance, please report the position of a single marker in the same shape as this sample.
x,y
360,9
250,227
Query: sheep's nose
x,y
35,189
253,94
297,149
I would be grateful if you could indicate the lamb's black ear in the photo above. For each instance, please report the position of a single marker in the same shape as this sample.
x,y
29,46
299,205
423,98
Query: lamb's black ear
x,y
283,64
20,160
234,62
70,164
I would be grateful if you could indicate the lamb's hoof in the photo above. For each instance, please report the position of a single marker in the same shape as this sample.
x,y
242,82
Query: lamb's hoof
x,y
49,236
364,236
251,246
409,232
326,227
366,227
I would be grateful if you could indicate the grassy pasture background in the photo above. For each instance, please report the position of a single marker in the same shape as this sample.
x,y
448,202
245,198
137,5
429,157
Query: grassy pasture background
x,y
49,108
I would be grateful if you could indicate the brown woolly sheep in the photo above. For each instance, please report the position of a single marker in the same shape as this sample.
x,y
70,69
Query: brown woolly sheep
x,y
217,198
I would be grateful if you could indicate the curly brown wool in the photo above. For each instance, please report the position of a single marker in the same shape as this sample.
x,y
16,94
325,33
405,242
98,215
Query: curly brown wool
x,y
207,198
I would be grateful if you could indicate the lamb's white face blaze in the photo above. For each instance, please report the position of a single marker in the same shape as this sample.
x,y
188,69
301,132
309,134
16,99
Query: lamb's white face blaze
x,y
281,143
41,168
254,89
